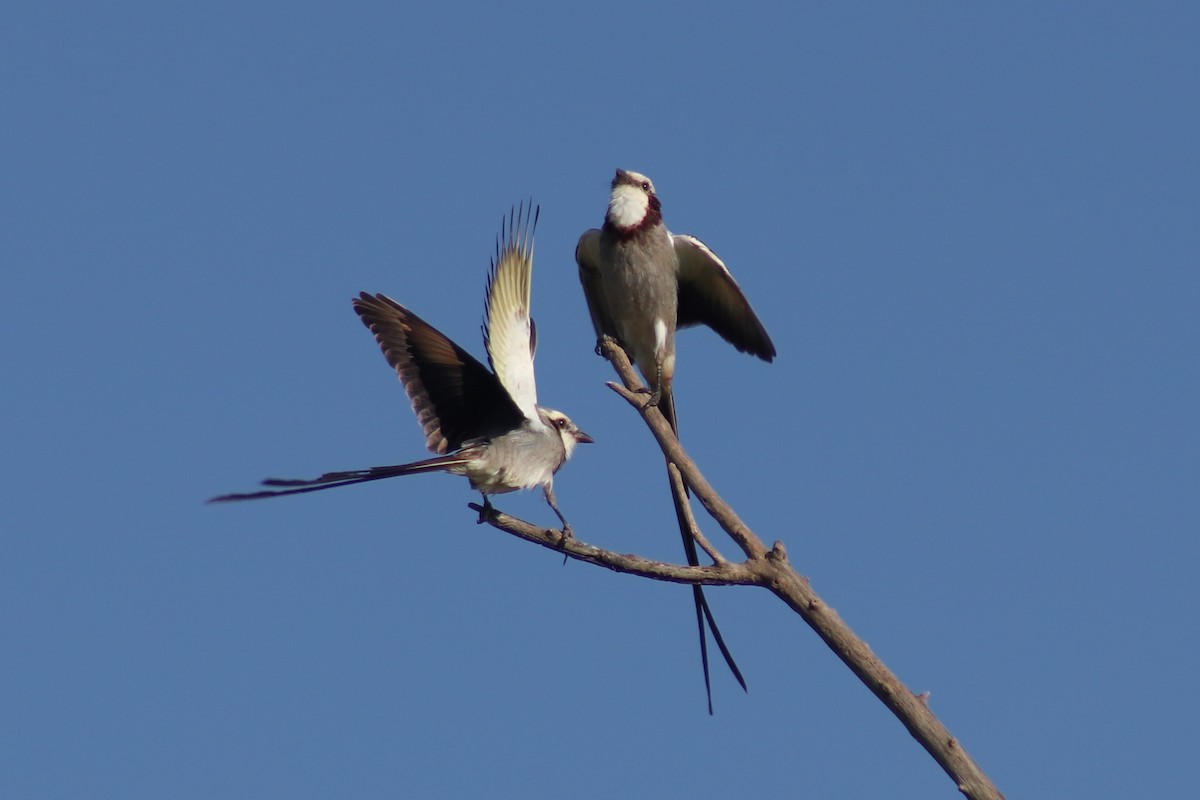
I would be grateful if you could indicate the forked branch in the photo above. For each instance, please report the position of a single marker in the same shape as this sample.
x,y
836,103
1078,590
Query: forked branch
x,y
768,568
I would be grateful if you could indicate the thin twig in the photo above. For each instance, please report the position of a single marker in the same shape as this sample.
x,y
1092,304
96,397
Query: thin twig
x,y
681,497
723,574
720,511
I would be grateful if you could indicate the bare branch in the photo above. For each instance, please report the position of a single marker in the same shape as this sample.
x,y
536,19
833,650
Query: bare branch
x,y
722,512
774,572
680,492
911,709
724,574
769,569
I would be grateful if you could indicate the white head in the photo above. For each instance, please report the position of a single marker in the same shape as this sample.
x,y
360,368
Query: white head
x,y
632,201
568,430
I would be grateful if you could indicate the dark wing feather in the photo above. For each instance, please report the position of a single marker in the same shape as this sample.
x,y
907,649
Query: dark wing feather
x,y
587,256
455,397
708,295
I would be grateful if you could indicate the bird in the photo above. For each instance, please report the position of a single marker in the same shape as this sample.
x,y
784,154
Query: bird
x,y
483,424
642,283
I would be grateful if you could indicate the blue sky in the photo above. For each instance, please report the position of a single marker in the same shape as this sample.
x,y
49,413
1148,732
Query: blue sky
x,y
971,232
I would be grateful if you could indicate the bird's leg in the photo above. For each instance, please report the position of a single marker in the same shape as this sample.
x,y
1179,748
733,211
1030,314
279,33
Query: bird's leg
x,y
656,395
486,512
566,527
655,392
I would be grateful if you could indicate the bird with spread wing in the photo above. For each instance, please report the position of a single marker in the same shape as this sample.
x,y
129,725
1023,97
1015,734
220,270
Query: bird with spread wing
x,y
484,424
642,283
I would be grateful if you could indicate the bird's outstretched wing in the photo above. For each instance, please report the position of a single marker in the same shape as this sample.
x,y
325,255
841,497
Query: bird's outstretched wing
x,y
509,332
587,256
456,398
709,295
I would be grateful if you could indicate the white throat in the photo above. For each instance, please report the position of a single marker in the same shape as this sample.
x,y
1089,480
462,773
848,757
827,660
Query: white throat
x,y
627,206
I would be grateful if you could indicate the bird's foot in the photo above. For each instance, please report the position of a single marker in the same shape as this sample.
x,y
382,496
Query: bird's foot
x,y
487,511
602,340
655,395
567,536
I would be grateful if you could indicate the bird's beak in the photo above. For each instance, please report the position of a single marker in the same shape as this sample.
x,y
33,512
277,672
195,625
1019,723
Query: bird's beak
x,y
583,438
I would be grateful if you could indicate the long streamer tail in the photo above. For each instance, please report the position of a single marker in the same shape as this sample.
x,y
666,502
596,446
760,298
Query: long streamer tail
x,y
331,480
666,405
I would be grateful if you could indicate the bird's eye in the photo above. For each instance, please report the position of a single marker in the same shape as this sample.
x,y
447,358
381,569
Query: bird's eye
x,y
645,186
561,423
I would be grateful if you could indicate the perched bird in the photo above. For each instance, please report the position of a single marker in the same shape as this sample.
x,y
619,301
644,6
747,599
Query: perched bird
x,y
642,283
484,425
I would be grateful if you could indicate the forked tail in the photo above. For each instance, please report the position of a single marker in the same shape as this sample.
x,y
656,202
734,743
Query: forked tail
x,y
331,480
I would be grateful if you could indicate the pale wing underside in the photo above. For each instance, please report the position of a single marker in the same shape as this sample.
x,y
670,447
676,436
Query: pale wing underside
x,y
708,295
509,331
587,256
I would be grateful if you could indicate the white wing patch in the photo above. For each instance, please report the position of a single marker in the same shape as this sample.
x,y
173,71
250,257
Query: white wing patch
x,y
697,262
509,331
660,338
